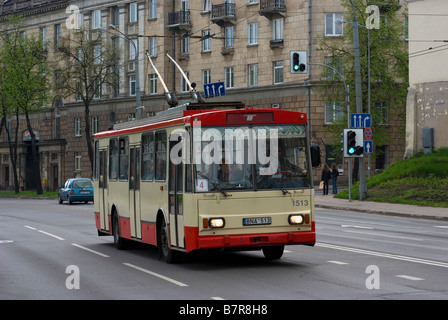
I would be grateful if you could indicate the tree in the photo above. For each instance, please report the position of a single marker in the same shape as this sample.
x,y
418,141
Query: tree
x,y
388,67
86,66
24,83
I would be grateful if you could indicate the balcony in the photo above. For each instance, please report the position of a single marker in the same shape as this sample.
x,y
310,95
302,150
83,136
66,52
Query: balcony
x,y
223,14
272,8
179,21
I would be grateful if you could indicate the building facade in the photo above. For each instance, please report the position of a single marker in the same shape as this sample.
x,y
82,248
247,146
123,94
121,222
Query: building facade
x,y
244,43
427,104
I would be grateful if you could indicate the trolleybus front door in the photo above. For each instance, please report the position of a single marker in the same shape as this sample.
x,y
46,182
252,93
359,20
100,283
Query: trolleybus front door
x,y
134,192
175,194
102,186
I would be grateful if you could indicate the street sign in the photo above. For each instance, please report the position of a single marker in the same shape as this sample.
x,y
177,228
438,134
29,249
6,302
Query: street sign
x,y
368,133
215,89
360,120
368,146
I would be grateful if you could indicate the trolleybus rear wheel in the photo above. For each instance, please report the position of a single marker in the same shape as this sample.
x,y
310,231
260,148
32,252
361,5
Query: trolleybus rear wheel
x,y
273,253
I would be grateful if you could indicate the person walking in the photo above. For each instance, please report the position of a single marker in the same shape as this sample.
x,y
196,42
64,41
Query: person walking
x,y
326,176
334,177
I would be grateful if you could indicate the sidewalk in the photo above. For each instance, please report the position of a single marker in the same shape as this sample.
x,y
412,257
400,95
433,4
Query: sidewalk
x,y
404,210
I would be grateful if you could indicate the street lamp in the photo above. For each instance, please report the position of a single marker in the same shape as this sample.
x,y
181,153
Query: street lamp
x,y
137,74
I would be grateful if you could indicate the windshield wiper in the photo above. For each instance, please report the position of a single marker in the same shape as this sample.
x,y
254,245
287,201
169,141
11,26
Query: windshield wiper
x,y
214,185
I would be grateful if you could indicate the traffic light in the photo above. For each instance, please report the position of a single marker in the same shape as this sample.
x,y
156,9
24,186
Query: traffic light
x,y
298,62
353,143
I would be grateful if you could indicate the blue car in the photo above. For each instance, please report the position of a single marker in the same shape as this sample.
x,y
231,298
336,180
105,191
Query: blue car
x,y
79,189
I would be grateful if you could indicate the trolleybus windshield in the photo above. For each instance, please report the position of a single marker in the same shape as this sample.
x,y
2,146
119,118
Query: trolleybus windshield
x,y
250,158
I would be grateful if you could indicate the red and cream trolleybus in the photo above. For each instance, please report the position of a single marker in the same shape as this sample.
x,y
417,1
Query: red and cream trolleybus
x,y
207,175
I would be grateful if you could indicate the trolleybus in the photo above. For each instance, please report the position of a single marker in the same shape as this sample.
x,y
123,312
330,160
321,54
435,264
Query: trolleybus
x,y
207,175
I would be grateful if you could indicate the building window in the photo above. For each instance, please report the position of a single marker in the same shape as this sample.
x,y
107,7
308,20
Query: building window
x,y
381,113
78,161
206,76
229,41
335,62
153,83
98,90
207,42
96,19
132,90
43,37
96,54
333,24
185,45
153,46
183,83
277,29
133,12
278,72
229,77
152,9
252,33
77,126
205,6
334,112
115,16
57,35
253,75
133,45
94,124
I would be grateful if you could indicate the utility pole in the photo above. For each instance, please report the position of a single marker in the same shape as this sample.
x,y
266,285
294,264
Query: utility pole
x,y
358,90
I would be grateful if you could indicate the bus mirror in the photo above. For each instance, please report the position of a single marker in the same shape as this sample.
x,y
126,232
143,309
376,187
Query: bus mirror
x,y
315,155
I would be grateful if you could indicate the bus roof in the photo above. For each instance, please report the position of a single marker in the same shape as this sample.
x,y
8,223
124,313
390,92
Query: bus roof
x,y
216,114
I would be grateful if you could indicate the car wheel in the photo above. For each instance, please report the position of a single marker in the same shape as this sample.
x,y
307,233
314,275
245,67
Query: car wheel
x,y
60,200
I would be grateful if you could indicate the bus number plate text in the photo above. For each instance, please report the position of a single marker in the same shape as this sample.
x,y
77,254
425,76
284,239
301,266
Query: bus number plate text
x,y
256,221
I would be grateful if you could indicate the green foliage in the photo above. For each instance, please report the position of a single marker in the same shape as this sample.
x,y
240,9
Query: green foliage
x,y
422,179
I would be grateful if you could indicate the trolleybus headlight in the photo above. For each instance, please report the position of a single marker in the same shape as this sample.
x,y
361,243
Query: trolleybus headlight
x,y
216,222
295,219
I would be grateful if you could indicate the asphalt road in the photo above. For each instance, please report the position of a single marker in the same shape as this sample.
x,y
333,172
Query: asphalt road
x,y
52,251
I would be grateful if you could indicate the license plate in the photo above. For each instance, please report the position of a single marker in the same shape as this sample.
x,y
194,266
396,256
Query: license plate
x,y
84,191
256,221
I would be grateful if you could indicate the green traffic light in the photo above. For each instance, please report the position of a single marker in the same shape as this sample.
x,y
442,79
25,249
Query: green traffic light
x,y
296,67
351,150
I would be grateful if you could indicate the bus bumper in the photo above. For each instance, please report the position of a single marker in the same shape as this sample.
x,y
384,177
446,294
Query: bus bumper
x,y
194,241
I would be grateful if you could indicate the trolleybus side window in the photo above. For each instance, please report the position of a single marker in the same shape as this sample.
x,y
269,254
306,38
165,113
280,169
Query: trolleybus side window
x,y
148,156
113,159
160,139
124,158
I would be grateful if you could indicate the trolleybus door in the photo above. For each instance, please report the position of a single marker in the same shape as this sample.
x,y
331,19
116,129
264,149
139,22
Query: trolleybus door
x,y
134,192
102,186
175,194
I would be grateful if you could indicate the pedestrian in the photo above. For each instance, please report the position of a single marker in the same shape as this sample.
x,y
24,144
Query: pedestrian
x,y
326,176
334,177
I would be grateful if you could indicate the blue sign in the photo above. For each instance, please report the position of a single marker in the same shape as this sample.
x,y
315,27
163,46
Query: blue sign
x,y
360,120
368,146
214,89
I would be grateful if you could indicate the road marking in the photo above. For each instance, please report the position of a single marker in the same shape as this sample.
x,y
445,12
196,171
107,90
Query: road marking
x,y
408,277
384,255
180,284
30,228
384,236
90,250
356,227
6,241
337,262
217,298
444,227
50,234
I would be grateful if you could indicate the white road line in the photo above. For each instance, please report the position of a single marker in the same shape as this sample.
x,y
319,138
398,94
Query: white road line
x,y
444,227
46,233
51,235
180,284
383,235
408,277
384,255
217,298
356,227
90,250
337,262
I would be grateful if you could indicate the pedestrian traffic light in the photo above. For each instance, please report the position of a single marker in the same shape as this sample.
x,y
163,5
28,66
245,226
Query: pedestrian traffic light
x,y
298,62
353,143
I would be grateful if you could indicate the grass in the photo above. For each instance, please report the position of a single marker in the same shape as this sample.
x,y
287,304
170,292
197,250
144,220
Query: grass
x,y
28,194
420,180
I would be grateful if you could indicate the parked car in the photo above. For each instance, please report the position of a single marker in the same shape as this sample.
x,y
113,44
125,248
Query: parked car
x,y
79,189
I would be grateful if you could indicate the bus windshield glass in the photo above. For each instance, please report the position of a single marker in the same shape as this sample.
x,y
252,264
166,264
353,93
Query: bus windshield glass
x,y
255,157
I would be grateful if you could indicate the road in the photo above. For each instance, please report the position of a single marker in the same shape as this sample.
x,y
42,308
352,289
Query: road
x,y
52,251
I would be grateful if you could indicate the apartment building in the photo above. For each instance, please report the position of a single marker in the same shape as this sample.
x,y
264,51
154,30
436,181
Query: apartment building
x,y
244,43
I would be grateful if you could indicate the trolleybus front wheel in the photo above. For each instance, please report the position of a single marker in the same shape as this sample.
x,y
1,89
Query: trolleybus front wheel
x,y
169,255
273,253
